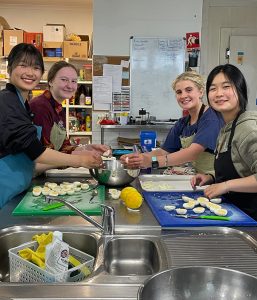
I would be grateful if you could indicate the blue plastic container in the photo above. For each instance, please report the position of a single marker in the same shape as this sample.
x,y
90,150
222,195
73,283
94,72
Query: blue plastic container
x,y
148,140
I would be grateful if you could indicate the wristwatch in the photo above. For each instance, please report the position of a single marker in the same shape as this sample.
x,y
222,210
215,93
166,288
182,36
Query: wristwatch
x,y
155,163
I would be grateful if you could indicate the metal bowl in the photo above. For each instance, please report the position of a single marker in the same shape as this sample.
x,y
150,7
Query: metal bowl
x,y
114,174
199,283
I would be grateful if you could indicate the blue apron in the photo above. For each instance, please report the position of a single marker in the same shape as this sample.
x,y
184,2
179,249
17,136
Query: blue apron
x,y
16,171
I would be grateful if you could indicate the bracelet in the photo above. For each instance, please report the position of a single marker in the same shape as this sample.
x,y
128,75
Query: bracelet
x,y
212,176
166,161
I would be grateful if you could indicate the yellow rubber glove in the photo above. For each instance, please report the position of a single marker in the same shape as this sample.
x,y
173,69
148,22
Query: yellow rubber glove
x,y
37,257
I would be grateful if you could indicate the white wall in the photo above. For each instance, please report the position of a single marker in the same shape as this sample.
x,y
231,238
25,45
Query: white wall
x,y
32,17
218,14
116,20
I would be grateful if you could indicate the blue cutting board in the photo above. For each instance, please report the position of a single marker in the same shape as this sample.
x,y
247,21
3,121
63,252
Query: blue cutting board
x,y
157,200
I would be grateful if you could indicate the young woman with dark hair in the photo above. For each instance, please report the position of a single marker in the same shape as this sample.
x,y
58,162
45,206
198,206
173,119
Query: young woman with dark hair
x,y
21,151
236,152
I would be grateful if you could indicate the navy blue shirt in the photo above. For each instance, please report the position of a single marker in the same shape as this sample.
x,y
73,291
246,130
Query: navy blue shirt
x,y
206,131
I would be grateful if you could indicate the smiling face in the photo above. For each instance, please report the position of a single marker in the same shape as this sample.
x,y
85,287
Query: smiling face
x,y
223,97
188,95
64,84
25,77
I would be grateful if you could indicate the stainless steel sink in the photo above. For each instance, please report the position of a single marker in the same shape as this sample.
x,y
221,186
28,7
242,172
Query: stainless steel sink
x,y
12,237
131,256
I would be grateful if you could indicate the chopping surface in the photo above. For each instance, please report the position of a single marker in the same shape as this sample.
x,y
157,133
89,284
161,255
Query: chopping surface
x,y
157,200
31,205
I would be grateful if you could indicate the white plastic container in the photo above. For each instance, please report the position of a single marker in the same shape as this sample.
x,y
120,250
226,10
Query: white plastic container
x,y
22,270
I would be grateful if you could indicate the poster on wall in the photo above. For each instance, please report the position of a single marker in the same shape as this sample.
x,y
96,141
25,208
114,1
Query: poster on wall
x,y
192,41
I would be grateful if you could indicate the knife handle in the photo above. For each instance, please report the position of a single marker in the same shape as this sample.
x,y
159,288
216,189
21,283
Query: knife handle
x,y
53,206
215,218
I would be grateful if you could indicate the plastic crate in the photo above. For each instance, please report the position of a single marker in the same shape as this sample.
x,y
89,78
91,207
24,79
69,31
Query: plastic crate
x,y
22,270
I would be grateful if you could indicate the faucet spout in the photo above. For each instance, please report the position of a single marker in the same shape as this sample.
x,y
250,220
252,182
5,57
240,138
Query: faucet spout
x,y
108,222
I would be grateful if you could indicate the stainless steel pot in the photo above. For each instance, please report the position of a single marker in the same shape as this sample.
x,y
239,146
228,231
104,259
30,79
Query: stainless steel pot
x,y
199,283
114,174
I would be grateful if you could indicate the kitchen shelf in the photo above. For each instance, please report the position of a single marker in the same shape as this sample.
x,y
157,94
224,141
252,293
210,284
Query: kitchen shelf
x,y
81,133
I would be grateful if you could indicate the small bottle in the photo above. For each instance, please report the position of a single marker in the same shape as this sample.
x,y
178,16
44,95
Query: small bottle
x,y
82,99
88,96
88,123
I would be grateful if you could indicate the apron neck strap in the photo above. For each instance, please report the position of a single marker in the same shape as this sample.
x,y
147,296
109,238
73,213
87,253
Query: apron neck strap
x,y
233,128
199,115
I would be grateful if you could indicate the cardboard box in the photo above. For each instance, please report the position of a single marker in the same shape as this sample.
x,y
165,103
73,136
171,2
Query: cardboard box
x,y
54,32
52,49
35,38
75,49
12,38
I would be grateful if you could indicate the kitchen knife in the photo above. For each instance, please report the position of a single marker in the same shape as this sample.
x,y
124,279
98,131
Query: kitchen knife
x,y
204,217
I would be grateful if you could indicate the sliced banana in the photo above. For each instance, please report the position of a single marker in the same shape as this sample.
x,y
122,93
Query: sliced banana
x,y
84,186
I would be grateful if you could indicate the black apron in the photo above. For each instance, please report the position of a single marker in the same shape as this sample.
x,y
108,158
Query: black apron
x,y
225,170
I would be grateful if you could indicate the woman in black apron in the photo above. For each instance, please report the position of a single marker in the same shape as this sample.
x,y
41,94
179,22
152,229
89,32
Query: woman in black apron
x,y
236,155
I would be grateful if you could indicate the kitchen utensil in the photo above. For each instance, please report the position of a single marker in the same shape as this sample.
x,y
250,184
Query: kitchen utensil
x,y
114,174
94,193
204,217
199,283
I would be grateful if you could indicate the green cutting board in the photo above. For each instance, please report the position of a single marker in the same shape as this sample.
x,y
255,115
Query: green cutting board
x,y
33,206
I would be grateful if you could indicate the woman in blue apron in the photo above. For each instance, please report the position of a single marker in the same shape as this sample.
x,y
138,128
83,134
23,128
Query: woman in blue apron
x,y
193,137
20,146
236,151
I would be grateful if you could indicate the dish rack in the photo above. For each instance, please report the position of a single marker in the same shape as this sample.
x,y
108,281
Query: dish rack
x,y
22,270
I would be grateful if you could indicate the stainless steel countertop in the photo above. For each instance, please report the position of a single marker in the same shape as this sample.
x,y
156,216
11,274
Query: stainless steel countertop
x,y
127,223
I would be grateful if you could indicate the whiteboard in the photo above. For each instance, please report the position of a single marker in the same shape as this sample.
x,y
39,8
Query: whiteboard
x,y
154,63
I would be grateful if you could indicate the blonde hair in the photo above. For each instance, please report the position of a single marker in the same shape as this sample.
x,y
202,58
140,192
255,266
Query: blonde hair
x,y
193,76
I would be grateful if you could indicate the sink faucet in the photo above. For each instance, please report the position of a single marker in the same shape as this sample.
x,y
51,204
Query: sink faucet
x,y
108,221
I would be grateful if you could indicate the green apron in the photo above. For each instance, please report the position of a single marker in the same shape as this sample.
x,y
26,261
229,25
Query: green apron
x,y
16,172
205,161
57,136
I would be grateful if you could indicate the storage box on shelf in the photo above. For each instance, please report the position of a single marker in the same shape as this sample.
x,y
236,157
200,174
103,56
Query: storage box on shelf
x,y
54,32
52,51
77,50
12,38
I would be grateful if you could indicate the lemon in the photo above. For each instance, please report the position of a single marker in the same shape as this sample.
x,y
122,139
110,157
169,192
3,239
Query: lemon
x,y
125,191
133,200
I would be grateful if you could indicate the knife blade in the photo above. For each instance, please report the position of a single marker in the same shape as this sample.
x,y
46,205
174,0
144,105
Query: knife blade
x,y
204,217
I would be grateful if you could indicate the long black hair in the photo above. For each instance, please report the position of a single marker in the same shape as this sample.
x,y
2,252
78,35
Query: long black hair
x,y
235,77
27,53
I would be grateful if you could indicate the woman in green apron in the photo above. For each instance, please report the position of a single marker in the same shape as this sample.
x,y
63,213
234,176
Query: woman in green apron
x,y
21,152
193,137
49,113
236,151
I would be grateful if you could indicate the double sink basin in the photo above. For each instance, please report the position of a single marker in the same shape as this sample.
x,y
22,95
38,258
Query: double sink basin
x,y
123,262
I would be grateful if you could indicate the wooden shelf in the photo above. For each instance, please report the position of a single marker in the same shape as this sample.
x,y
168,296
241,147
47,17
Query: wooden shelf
x,y
81,133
